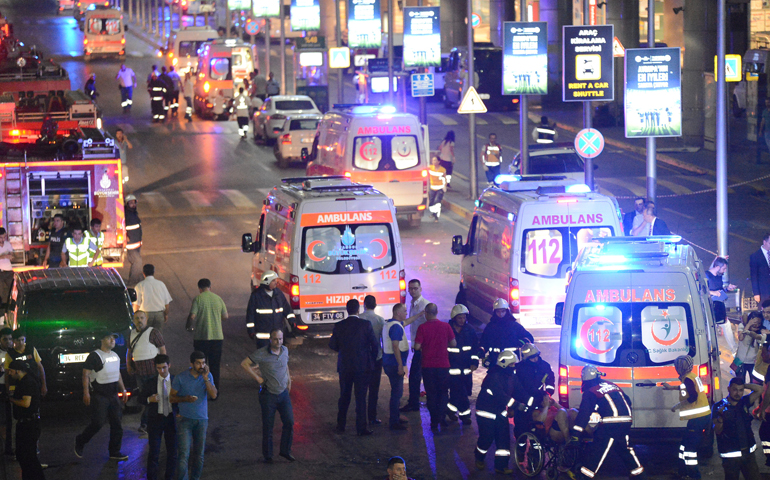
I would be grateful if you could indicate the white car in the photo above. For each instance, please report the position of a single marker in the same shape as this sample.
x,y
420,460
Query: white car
x,y
297,135
269,119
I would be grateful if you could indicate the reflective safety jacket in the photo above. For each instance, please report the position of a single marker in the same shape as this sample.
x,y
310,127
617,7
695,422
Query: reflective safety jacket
x,y
700,407
266,313
157,90
496,394
544,133
466,354
437,177
534,377
605,398
99,242
133,229
503,334
737,434
241,105
492,155
79,253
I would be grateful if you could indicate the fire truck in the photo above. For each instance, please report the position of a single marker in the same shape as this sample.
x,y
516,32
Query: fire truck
x,y
28,74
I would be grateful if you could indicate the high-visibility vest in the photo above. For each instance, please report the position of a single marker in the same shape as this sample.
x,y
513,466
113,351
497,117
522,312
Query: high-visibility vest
x,y
437,177
99,242
545,133
700,407
242,105
492,155
78,252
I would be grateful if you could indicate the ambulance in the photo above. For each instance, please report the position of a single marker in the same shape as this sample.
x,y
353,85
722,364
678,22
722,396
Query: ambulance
x,y
223,64
329,240
183,46
522,241
104,32
373,144
633,305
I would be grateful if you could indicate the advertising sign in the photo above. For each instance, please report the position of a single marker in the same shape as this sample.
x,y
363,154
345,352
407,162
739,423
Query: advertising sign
x,y
305,15
525,58
238,4
588,64
267,8
653,92
364,24
422,37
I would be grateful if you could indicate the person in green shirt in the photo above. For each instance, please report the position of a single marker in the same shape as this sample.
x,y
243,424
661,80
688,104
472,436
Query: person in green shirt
x,y
205,320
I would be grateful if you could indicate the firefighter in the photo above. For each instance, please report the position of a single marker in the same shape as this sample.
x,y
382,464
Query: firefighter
x,y
157,90
267,310
241,106
492,404
693,408
544,132
502,333
168,99
96,236
463,361
613,405
437,187
134,242
533,374
77,249
491,158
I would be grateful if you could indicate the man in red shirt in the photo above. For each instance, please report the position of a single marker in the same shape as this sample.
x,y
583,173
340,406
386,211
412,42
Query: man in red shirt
x,y
433,338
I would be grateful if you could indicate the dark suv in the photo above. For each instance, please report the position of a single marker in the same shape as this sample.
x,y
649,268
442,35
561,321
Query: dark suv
x,y
65,312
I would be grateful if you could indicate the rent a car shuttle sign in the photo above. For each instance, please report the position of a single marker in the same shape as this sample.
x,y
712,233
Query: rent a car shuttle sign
x,y
588,67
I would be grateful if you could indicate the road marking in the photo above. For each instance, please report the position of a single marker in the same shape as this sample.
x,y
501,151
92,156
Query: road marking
x,y
678,213
481,121
676,188
750,240
504,119
136,54
444,119
196,198
635,189
264,167
238,198
156,200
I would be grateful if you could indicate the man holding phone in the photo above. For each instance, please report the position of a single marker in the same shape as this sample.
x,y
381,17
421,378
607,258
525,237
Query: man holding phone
x,y
397,469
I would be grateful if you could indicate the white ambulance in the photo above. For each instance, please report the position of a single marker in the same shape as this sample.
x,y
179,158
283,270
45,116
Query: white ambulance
x,y
183,46
633,305
522,241
329,240
104,32
223,65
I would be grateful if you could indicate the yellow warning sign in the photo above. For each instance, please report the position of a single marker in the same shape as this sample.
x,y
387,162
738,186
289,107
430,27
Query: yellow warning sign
x,y
472,103
617,48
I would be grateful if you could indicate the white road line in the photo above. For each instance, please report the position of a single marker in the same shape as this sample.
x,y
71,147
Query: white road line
x,y
481,121
196,198
156,200
504,119
444,119
263,166
674,187
238,198
637,190
677,213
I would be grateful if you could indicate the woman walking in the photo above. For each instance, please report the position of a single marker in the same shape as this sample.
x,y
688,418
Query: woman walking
x,y
446,155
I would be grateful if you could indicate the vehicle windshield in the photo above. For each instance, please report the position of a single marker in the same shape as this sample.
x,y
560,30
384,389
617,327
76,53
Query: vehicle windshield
x,y
555,163
386,152
294,105
549,252
87,309
189,48
103,26
309,124
344,249
220,69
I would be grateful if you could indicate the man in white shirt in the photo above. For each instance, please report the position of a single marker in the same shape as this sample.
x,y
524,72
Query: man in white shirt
x,y
416,307
152,297
126,81
6,269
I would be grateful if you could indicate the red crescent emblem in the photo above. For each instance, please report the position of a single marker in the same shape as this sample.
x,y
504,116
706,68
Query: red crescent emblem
x,y
310,251
363,150
584,335
666,343
384,248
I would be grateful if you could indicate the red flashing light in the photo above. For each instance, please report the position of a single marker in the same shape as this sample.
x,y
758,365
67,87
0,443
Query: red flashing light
x,y
402,285
420,207
563,390
703,370
348,174
513,295
563,372
563,386
294,298
424,173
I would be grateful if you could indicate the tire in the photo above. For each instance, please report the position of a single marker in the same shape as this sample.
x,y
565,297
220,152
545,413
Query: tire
x,y
529,454
461,298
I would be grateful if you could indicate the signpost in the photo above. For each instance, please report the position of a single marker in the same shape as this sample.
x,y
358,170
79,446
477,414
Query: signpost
x,y
589,143
653,99
422,37
339,57
588,65
423,85
305,15
364,24
472,103
525,58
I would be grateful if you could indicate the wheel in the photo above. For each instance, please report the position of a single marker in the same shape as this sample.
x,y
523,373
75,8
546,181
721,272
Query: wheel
x,y
461,298
551,472
529,454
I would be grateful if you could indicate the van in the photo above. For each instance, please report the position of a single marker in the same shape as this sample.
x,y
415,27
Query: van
x,y
329,240
377,146
104,32
522,241
183,45
633,305
223,64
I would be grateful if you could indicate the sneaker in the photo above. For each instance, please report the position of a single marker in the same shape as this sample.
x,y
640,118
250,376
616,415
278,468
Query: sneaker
x,y
119,457
142,429
78,449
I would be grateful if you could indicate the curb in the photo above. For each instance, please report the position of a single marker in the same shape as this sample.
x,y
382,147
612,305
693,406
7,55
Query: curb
x,y
458,209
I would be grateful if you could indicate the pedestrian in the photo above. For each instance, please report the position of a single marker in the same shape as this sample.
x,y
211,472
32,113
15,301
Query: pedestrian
x,y
123,145
433,338
6,344
361,82
269,366
446,155
26,353
26,411
397,469
153,71
6,267
395,348
56,241
354,341
694,409
762,360
188,90
416,307
764,124
101,373
191,389
145,343
207,313
533,375
241,105
161,418
635,217
544,132
153,298
370,303
717,288
759,266
126,82
491,158
134,242
732,418
268,310
503,332
157,91
463,361
176,86
96,236
438,186
260,85
77,249
168,99
90,87
749,340
272,87
652,225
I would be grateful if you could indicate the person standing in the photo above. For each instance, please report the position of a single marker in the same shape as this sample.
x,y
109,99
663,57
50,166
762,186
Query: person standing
x,y
191,389
56,240
732,418
241,105
395,347
260,85
77,249
101,373
370,303
145,343
6,344
26,411
433,338
188,90
126,82
544,132
463,361
96,236
635,217
90,88
759,266
168,93
123,145
652,225
764,124
207,313
133,242
446,155
268,310
438,186
157,90
354,341
176,85
491,158
503,332
416,307
269,366
161,419
26,353
153,298
6,267
272,87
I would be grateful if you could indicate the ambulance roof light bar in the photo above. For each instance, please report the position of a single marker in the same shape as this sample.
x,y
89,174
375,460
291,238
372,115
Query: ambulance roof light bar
x,y
290,180
656,238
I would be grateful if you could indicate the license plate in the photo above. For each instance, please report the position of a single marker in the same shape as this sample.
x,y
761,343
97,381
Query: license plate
x,y
320,317
72,357
484,96
306,140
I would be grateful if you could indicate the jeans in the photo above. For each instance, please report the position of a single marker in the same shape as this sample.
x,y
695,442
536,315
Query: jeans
x,y
8,421
437,390
396,392
492,172
126,97
434,202
27,435
190,433
270,403
189,109
374,390
347,381
415,377
104,408
213,351
157,427
141,380
134,259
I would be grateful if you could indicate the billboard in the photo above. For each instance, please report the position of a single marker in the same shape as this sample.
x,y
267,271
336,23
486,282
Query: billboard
x,y
305,15
525,58
588,64
653,102
238,4
422,37
364,24
267,8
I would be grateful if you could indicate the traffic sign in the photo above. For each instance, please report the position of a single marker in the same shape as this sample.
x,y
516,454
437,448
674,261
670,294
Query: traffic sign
x,y
339,57
475,20
588,66
251,27
733,68
618,50
472,103
423,85
589,143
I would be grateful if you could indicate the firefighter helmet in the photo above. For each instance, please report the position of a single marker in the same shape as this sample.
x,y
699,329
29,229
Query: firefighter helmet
x,y
500,303
590,372
528,350
458,310
130,197
268,277
506,359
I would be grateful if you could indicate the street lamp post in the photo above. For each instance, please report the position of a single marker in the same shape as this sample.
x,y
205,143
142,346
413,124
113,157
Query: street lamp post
x,y
474,190
390,52
587,121
652,168
338,35
523,110
721,134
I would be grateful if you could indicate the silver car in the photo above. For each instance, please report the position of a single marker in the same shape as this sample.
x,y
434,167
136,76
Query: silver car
x,y
557,159
270,117
297,135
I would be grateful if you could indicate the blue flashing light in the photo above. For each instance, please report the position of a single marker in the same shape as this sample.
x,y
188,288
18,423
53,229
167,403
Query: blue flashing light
x,y
578,188
510,217
600,307
506,178
476,202
578,343
611,259
388,109
665,238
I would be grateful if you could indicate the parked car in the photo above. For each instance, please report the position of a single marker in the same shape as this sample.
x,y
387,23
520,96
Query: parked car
x,y
269,119
557,159
296,138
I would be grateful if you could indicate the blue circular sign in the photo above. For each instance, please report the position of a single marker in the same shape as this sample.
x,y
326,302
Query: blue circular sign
x,y
589,143
475,20
252,27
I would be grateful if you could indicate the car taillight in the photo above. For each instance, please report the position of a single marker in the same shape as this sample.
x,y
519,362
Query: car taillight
x,y
170,54
513,294
402,285
123,41
302,327
424,174
563,386
703,370
206,87
348,174
294,300
120,239
85,41
286,139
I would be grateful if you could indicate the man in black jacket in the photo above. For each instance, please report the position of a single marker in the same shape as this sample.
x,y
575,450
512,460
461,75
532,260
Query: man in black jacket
x,y
502,333
161,420
353,339
463,360
133,242
533,374
267,310
652,225
759,265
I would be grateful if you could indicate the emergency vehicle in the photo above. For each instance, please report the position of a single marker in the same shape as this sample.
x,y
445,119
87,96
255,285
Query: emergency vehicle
x,y
82,5
28,74
329,240
522,241
21,121
65,5
377,146
104,32
633,305
183,46
223,64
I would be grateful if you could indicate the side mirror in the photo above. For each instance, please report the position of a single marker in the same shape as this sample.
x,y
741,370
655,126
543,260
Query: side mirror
x,y
720,313
558,313
132,295
458,248
247,243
